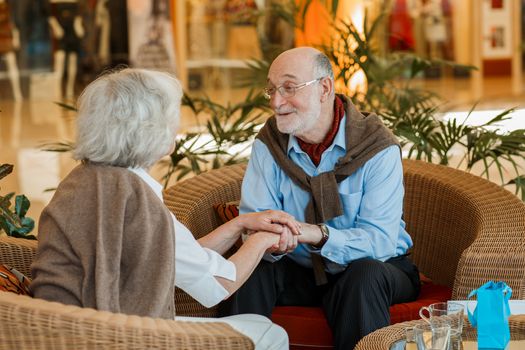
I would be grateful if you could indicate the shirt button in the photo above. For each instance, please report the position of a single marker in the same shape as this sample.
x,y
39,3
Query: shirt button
x,y
329,254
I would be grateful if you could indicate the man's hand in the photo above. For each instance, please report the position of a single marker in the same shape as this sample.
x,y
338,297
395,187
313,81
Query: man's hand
x,y
287,242
275,221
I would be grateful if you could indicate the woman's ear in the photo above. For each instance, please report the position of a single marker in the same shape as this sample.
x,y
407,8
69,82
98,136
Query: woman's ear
x,y
327,86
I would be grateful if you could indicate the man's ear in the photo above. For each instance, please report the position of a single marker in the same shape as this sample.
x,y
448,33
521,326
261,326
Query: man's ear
x,y
327,86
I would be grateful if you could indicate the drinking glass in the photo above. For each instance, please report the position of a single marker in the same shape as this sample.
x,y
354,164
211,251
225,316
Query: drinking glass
x,y
450,312
432,336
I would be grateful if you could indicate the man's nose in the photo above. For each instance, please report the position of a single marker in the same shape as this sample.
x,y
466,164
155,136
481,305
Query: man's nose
x,y
277,100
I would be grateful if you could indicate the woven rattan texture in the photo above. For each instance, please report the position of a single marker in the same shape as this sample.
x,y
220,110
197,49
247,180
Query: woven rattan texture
x,y
466,230
383,338
37,324
192,200
17,253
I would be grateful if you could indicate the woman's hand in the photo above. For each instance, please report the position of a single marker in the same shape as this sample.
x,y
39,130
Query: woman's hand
x,y
287,242
275,221
268,241
273,243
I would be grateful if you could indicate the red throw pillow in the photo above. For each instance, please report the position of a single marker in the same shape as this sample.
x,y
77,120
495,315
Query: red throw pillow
x,y
227,211
13,281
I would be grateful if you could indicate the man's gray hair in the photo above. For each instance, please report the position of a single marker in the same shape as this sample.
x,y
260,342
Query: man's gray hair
x,y
322,66
128,118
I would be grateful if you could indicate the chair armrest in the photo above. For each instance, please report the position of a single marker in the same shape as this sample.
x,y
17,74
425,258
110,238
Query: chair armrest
x,y
498,255
449,210
498,252
36,323
18,253
192,200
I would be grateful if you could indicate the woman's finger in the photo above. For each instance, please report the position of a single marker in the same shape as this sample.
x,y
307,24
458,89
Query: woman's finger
x,y
286,219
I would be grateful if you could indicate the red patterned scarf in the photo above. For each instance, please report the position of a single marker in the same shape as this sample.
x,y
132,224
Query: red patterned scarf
x,y
315,150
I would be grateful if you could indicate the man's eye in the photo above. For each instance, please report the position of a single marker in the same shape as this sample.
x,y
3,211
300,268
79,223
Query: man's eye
x,y
288,88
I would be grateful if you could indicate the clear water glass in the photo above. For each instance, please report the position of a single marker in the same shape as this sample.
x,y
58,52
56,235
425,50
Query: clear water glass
x,y
432,336
449,312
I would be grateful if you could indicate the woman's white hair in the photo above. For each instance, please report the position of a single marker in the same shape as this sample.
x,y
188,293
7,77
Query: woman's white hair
x,y
128,118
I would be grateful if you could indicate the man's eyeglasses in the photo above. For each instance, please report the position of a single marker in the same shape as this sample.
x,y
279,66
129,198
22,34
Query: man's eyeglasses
x,y
287,90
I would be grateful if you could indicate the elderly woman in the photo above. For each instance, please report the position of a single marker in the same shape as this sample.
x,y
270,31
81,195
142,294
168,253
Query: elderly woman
x,y
106,239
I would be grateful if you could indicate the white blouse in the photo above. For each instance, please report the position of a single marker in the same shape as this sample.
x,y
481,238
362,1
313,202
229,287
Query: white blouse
x,y
195,266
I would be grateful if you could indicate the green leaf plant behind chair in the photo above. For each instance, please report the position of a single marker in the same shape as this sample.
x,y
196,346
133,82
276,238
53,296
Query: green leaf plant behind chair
x,y
466,230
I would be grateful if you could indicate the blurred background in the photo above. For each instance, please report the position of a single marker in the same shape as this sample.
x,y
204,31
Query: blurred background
x,y
454,59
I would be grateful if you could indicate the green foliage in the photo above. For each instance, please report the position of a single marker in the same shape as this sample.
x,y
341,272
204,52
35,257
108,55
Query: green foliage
x,y
223,140
388,76
413,114
519,182
13,220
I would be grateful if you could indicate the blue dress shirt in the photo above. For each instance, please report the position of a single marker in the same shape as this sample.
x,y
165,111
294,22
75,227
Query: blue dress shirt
x,y
372,200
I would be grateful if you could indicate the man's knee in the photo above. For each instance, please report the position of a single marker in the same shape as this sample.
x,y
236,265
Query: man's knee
x,y
364,274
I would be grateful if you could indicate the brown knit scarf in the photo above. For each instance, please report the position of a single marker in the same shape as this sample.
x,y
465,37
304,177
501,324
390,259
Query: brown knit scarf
x,y
365,137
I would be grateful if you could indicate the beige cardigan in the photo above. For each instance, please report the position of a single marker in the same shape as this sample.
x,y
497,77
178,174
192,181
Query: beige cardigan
x,y
106,241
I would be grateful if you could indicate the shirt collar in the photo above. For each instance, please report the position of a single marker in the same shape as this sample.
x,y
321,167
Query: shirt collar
x,y
143,174
339,139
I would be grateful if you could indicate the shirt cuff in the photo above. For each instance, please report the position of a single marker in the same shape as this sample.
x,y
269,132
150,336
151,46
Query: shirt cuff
x,y
226,269
205,293
331,250
207,290
272,258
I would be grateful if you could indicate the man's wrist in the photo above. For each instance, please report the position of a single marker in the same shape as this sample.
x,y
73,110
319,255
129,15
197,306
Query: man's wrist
x,y
324,236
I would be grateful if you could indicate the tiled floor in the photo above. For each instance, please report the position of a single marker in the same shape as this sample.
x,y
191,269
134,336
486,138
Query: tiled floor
x,y
26,125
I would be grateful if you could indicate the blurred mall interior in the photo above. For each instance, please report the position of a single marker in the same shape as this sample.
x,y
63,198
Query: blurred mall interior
x,y
51,49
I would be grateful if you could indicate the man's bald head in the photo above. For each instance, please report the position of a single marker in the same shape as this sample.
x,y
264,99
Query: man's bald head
x,y
301,91
308,57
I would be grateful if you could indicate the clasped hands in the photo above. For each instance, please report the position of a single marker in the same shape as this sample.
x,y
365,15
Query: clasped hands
x,y
282,230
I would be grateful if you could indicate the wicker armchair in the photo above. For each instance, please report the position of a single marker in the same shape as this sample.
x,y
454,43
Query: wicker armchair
x,y
466,230
29,323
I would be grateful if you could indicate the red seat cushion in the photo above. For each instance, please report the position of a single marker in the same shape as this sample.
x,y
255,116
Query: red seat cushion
x,y
430,293
307,327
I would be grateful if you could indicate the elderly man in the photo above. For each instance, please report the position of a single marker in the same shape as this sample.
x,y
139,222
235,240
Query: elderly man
x,y
339,171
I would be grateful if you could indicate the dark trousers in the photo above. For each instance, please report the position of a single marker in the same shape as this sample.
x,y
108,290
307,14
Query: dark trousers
x,y
356,301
